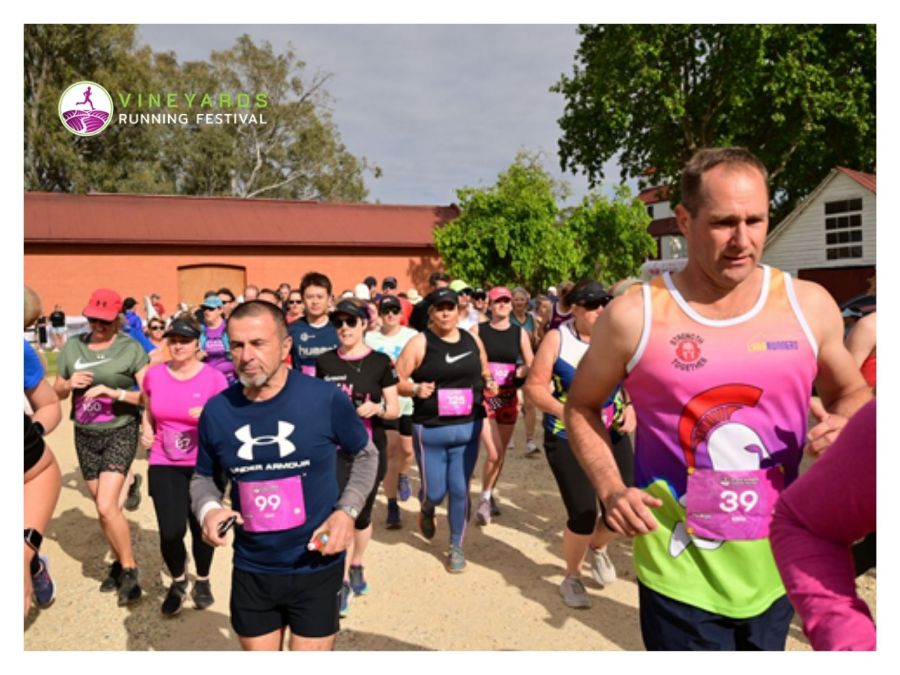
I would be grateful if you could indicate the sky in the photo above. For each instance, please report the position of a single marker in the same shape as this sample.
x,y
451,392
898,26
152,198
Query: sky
x,y
436,107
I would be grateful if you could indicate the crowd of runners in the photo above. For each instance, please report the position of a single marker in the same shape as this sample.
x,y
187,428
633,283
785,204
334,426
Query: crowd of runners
x,y
674,413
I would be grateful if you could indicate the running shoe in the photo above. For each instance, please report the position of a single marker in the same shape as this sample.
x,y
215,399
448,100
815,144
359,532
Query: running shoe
x,y
404,491
393,516
574,593
602,568
483,515
531,448
42,584
174,598
111,582
426,522
456,561
358,582
495,510
201,594
512,444
133,501
129,588
345,599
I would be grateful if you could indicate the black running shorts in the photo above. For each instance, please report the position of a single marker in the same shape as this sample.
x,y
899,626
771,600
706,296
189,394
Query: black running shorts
x,y
307,603
402,424
101,450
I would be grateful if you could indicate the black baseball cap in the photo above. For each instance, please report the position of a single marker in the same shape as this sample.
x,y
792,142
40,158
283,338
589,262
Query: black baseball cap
x,y
389,282
444,296
351,309
438,276
479,294
370,281
182,328
590,292
388,301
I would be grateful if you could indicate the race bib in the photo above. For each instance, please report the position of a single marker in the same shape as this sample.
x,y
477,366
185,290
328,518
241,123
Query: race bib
x,y
503,373
272,505
454,402
607,415
732,505
308,370
93,411
178,444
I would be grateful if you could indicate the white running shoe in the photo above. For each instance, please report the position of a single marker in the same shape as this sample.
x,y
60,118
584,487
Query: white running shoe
x,y
602,568
483,515
574,593
531,448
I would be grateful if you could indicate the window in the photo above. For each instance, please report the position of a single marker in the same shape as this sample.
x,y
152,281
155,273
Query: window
x,y
843,229
650,211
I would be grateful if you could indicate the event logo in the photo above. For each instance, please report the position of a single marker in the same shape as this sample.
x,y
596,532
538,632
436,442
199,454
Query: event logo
x,y
687,351
85,108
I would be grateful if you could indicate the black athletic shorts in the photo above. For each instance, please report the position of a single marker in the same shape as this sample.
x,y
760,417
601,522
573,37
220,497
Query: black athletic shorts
x,y
307,603
402,424
111,450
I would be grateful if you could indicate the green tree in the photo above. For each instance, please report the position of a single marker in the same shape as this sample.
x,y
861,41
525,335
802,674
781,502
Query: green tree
x,y
801,97
612,236
510,233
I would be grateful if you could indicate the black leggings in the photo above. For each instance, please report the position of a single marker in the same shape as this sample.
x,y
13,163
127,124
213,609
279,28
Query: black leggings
x,y
344,463
576,490
169,488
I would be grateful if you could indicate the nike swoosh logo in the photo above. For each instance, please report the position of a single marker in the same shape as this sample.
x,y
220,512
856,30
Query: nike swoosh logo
x,y
79,365
454,359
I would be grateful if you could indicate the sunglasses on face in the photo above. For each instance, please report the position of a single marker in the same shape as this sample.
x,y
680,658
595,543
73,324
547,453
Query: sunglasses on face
x,y
389,310
100,322
157,327
340,321
295,302
502,301
591,305
211,309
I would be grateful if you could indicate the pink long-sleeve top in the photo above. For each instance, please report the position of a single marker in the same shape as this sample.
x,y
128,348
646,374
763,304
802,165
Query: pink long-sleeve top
x,y
816,521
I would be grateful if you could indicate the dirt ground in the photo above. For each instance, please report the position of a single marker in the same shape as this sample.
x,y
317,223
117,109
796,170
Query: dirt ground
x,y
507,599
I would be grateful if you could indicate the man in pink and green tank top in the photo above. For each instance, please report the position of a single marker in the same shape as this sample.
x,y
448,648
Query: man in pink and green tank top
x,y
719,360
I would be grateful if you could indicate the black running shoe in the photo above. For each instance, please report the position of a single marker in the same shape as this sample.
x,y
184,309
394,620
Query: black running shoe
x,y
133,501
174,598
129,588
426,522
111,582
201,594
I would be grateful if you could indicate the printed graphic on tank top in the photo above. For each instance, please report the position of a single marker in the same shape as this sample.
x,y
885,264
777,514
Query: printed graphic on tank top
x,y
721,420
362,379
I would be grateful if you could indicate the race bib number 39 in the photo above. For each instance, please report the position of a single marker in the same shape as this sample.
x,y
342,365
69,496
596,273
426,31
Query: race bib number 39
x,y
454,402
732,505
272,505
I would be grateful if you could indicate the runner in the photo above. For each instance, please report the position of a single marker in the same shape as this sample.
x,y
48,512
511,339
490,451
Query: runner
x,y
445,370
529,322
861,344
509,355
468,315
214,346
174,395
390,340
276,436
719,360
156,329
250,293
100,369
369,379
479,302
419,319
554,366
229,302
561,311
313,334
294,306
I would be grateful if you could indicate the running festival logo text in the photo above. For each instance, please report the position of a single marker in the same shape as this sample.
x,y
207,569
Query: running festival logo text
x,y
687,351
86,108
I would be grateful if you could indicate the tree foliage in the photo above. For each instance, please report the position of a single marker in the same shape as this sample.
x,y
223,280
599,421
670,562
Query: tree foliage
x,y
801,97
515,233
296,154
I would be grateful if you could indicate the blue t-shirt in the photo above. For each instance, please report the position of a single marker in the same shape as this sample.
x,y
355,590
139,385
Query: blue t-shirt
x,y
309,342
134,329
34,369
296,433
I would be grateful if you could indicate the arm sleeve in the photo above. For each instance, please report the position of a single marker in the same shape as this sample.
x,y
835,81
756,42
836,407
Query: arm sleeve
x,y
815,522
34,369
203,489
363,472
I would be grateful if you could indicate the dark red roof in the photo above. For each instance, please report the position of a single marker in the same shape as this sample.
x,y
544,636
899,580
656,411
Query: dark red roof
x,y
867,180
654,195
53,217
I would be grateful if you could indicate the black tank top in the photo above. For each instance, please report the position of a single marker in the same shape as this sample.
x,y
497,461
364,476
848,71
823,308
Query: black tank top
x,y
501,346
450,365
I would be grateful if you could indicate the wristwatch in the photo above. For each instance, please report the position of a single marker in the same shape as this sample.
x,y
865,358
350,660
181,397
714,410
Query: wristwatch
x,y
350,511
33,538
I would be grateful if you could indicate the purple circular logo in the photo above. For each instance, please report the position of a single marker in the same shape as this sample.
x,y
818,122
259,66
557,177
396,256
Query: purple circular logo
x,y
85,108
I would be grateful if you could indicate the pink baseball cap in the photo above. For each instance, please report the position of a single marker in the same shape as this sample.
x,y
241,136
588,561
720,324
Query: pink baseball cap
x,y
498,292
105,304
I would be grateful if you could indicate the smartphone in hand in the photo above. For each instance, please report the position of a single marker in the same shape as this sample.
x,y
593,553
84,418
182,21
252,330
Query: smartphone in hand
x,y
226,525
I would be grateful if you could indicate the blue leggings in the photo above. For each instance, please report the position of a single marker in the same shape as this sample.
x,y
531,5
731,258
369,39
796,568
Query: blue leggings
x,y
446,457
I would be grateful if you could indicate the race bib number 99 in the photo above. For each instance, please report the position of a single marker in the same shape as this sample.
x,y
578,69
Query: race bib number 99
x,y
272,505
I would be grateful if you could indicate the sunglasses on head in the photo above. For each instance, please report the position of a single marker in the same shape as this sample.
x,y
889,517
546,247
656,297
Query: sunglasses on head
x,y
389,310
340,321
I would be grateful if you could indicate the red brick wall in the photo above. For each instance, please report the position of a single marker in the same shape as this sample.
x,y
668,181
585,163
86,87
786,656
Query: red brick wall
x,y
68,274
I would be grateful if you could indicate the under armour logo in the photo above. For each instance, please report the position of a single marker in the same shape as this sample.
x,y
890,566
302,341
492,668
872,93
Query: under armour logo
x,y
285,447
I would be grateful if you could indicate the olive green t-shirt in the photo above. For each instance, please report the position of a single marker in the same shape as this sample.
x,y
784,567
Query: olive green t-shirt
x,y
114,366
